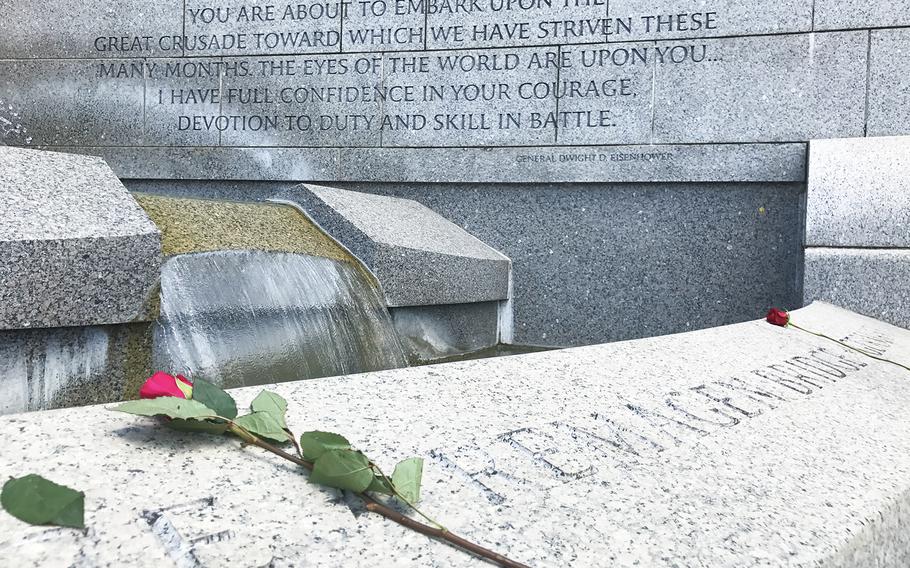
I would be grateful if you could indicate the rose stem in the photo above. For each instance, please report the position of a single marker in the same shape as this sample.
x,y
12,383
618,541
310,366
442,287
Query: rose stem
x,y
376,507
403,499
842,344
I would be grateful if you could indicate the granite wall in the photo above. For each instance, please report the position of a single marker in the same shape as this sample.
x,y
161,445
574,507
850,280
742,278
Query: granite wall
x,y
661,142
325,90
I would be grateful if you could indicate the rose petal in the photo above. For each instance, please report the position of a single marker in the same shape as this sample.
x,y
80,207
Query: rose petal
x,y
160,384
778,317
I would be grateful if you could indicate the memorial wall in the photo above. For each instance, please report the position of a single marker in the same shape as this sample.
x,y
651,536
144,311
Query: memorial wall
x,y
401,74
626,153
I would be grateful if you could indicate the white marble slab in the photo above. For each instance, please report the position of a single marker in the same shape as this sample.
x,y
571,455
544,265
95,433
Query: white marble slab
x,y
748,445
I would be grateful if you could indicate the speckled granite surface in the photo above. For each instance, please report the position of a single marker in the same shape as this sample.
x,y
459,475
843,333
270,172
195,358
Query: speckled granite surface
x,y
420,257
748,445
873,282
75,248
859,193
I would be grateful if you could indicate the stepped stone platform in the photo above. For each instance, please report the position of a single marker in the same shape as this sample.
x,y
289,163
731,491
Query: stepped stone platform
x,y
746,445
75,248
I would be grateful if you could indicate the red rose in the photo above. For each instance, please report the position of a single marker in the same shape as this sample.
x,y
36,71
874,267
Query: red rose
x,y
778,317
161,384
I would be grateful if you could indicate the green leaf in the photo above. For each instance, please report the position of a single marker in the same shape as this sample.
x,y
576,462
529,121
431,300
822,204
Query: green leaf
x,y
38,501
169,406
343,469
381,484
406,478
264,425
314,444
204,426
271,403
215,398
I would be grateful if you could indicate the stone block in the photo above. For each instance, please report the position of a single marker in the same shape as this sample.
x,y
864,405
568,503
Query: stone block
x,y
504,23
384,25
606,94
747,446
255,28
731,249
859,193
761,89
79,29
889,82
666,19
669,163
472,98
75,248
872,282
328,100
182,94
208,163
64,102
853,14
419,257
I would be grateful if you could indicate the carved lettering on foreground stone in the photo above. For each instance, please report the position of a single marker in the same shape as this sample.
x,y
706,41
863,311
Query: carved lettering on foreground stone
x,y
575,450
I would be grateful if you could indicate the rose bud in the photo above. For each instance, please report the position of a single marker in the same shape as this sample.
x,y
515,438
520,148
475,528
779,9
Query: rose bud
x,y
778,317
161,384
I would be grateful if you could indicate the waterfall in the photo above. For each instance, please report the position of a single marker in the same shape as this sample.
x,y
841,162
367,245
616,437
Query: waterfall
x,y
241,318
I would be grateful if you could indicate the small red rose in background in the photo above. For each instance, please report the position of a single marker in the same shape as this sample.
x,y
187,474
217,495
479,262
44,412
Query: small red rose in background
x,y
161,384
778,317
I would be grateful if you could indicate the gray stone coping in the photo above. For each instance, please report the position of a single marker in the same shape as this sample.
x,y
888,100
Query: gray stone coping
x,y
419,257
650,163
859,193
75,248
748,445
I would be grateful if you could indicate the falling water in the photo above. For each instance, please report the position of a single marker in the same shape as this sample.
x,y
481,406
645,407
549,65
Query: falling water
x,y
244,318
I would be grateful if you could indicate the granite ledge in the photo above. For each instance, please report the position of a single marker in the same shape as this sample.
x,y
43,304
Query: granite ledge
x,y
783,162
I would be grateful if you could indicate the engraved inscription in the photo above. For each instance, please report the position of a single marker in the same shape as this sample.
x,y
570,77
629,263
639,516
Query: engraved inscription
x,y
582,447
405,73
